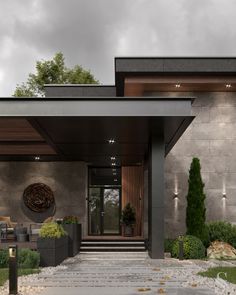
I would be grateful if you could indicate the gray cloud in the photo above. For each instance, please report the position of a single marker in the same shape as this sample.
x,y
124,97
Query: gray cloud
x,y
91,33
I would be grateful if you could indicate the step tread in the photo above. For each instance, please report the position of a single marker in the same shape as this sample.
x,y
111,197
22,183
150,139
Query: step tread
x,y
88,247
113,243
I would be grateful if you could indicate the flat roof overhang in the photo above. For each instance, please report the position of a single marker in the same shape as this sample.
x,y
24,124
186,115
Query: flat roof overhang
x,y
79,128
137,75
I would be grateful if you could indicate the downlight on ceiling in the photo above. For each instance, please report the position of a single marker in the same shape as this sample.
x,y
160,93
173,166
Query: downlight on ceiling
x,y
177,85
37,158
111,140
228,85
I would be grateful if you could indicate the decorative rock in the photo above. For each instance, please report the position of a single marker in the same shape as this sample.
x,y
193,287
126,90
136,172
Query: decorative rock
x,y
218,250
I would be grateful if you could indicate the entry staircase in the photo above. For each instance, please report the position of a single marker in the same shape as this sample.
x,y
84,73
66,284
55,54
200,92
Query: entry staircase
x,y
112,245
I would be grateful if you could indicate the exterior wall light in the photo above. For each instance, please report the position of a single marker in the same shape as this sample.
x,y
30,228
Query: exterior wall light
x,y
175,195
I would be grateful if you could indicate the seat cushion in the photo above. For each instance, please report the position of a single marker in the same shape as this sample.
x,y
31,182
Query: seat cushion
x,y
35,231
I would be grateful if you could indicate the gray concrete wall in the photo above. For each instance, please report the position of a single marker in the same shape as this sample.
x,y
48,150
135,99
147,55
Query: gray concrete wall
x,y
212,138
68,181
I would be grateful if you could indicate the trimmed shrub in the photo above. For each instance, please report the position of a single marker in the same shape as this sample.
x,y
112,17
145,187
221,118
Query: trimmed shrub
x,y
28,258
3,258
193,248
196,211
222,231
168,244
52,230
70,219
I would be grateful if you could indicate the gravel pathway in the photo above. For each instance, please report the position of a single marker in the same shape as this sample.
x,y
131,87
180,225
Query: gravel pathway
x,y
123,274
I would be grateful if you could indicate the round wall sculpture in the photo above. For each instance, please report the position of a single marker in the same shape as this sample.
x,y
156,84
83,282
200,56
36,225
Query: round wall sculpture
x,y
38,197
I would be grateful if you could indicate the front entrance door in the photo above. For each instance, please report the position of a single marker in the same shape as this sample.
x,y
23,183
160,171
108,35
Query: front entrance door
x,y
104,210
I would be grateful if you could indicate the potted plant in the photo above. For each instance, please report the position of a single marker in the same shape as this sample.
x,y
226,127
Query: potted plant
x,y
52,244
128,219
73,228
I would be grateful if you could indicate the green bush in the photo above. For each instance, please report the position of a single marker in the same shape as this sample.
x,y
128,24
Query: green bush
x,y
168,244
70,220
26,258
193,248
3,258
222,231
52,230
128,216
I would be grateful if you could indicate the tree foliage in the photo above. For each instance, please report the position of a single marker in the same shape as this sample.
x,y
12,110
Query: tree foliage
x,y
53,72
196,211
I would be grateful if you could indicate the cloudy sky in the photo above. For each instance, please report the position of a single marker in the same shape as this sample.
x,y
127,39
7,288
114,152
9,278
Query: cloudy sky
x,y
92,32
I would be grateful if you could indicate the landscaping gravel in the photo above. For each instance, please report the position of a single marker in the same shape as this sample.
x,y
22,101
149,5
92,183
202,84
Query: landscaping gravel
x,y
124,273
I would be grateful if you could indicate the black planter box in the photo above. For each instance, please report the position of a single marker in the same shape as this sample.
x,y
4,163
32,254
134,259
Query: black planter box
x,y
52,251
74,238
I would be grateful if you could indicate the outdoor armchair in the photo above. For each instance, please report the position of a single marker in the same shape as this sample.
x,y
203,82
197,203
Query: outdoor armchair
x,y
7,227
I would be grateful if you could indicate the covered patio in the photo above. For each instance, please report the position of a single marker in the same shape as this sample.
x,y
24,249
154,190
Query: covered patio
x,y
77,132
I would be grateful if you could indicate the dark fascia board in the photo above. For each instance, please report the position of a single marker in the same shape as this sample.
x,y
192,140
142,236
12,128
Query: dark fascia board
x,y
75,90
146,66
98,98
99,107
175,64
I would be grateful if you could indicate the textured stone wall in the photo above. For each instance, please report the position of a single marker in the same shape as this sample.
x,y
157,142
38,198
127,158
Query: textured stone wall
x,y
212,138
68,181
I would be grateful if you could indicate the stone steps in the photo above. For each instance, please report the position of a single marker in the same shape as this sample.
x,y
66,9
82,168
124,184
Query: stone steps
x,y
112,246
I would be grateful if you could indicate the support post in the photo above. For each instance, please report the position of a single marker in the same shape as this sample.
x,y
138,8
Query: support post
x,y
156,196
13,270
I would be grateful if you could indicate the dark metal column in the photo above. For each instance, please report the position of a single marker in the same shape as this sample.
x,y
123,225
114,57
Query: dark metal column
x,y
156,197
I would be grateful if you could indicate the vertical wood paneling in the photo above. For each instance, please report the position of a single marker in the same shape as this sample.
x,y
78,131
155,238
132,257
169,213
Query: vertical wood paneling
x,y
132,192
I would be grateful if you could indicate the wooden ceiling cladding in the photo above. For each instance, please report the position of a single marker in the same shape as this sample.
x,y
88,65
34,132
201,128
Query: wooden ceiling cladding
x,y
132,192
18,137
17,129
26,149
139,86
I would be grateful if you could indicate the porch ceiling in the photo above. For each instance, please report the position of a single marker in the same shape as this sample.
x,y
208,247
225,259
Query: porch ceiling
x,y
86,138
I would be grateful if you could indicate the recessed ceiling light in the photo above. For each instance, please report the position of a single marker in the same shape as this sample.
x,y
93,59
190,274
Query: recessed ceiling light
x,y
113,158
111,140
37,158
228,85
177,85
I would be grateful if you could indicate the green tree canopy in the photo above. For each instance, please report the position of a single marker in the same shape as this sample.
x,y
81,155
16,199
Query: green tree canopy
x,y
53,72
196,211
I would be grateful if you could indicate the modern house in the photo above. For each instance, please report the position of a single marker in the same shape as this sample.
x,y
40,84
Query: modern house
x,y
100,147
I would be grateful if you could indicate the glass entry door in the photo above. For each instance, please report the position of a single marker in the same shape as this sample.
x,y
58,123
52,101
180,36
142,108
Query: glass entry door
x,y
104,211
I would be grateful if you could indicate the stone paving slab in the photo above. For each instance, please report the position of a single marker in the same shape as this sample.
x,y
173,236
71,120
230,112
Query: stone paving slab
x,y
120,274
123,291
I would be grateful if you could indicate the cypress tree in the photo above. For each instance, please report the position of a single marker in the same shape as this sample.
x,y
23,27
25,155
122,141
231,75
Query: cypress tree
x,y
196,210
